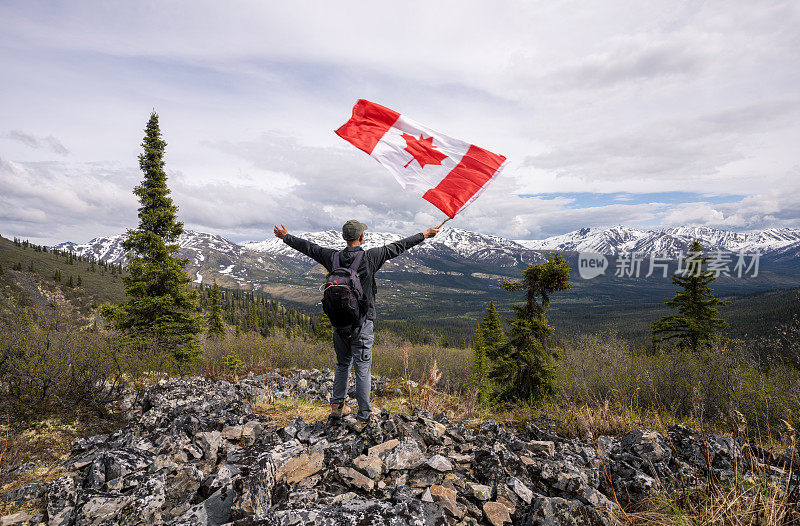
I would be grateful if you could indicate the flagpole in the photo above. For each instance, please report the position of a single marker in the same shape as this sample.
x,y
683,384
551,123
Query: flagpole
x,y
445,221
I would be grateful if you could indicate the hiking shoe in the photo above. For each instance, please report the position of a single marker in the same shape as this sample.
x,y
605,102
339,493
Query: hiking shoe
x,y
370,431
339,410
362,424
370,423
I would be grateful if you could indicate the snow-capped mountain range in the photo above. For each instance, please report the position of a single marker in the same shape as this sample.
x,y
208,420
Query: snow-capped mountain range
x,y
193,244
450,241
473,246
773,242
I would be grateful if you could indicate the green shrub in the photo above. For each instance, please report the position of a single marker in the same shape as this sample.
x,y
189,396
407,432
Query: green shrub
x,y
711,386
49,363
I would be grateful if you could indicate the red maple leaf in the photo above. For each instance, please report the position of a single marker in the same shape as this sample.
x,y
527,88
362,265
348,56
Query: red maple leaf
x,y
422,150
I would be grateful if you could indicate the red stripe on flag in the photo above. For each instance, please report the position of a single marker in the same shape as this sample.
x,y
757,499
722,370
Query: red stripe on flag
x,y
470,175
368,124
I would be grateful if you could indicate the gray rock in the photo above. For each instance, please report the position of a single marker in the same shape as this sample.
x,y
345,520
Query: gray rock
x,y
647,445
358,511
15,519
542,447
30,491
439,463
96,508
555,511
355,478
193,452
480,491
62,497
372,466
209,442
521,489
407,455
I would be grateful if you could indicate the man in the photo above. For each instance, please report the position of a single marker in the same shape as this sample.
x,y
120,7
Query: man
x,y
358,348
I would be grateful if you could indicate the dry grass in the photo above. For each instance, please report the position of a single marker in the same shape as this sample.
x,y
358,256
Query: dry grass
x,y
762,497
762,504
284,410
43,444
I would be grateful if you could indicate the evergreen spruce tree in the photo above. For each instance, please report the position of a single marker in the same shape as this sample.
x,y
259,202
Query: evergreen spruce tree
x,y
479,364
697,322
252,318
524,368
492,331
161,306
215,325
489,339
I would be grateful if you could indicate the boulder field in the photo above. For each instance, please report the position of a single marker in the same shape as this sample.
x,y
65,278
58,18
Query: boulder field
x,y
193,452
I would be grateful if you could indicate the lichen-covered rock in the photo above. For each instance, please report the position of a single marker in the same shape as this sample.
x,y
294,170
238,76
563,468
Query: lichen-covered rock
x,y
555,511
62,495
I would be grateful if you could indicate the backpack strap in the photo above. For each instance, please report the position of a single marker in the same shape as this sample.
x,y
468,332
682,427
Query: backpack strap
x,y
354,265
357,261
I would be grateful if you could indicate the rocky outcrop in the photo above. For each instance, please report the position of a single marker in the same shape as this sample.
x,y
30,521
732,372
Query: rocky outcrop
x,y
195,453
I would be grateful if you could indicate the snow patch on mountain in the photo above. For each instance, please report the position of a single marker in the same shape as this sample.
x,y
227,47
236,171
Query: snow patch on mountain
x,y
670,241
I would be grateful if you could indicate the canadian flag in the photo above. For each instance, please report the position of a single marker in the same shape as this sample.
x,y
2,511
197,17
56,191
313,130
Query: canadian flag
x,y
446,172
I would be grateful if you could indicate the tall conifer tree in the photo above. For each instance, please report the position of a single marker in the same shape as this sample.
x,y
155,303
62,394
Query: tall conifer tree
x,y
215,325
697,322
479,364
492,330
525,367
161,306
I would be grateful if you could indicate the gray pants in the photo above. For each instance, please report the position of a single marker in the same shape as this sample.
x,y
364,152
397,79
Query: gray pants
x,y
358,350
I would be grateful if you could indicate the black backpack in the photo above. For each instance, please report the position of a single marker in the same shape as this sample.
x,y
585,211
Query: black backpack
x,y
343,297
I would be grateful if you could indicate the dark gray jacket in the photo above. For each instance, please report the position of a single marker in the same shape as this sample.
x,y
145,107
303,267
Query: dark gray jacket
x,y
372,261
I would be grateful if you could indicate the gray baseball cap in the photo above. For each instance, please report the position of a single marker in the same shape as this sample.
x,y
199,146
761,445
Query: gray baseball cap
x,y
353,229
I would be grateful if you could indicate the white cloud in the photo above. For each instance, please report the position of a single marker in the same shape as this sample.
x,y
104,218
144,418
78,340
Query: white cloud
x,y
49,143
582,97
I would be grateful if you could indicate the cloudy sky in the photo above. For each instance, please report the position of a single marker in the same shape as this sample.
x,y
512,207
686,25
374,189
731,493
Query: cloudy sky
x,y
642,113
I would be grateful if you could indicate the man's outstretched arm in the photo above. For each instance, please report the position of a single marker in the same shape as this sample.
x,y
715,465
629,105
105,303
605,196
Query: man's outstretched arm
x,y
322,255
392,250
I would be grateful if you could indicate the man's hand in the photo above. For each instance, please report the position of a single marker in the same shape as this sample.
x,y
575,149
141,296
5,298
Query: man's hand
x,y
428,233
280,232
